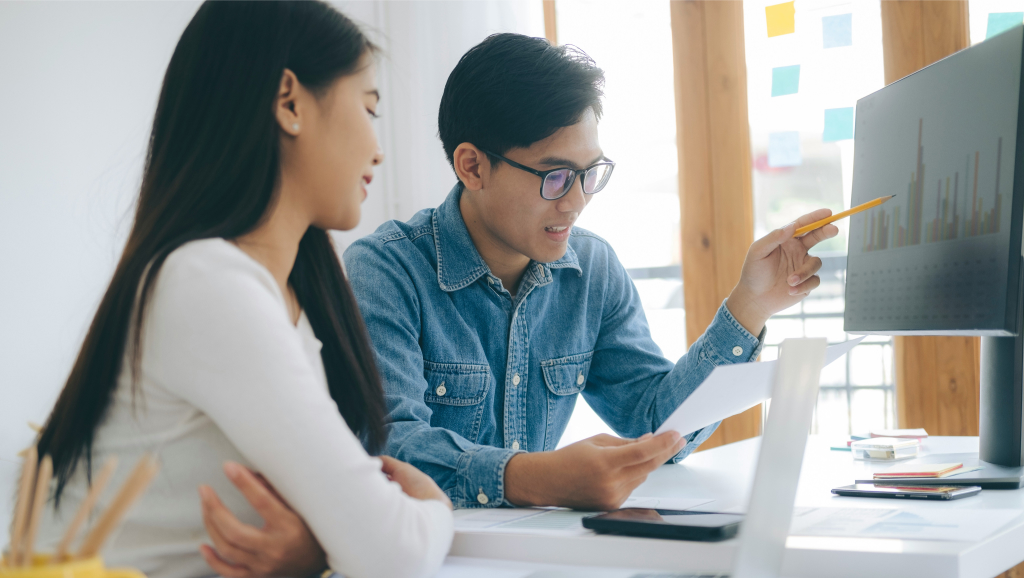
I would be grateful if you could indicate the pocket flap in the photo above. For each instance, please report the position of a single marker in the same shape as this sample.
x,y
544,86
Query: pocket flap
x,y
456,383
567,375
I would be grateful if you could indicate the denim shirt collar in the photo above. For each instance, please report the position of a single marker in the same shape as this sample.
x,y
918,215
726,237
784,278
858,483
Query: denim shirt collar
x,y
459,263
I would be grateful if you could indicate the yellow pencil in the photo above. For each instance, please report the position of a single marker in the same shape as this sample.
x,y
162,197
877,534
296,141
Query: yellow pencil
x,y
818,224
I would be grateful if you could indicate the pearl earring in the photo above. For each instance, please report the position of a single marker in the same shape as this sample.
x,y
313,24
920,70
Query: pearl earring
x,y
295,126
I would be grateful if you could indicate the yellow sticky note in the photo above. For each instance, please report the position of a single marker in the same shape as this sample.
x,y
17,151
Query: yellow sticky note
x,y
780,19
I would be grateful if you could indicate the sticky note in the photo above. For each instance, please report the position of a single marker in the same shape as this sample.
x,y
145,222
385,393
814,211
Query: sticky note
x,y
781,19
784,149
838,124
1002,21
785,80
837,31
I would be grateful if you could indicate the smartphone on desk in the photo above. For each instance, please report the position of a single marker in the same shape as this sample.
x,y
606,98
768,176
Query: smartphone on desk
x,y
908,492
674,524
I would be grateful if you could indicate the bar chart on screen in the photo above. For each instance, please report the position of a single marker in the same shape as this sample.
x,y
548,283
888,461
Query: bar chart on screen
x,y
936,257
959,210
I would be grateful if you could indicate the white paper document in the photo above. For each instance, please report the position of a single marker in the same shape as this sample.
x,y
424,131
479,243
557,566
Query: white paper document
x,y
665,503
731,389
544,521
961,525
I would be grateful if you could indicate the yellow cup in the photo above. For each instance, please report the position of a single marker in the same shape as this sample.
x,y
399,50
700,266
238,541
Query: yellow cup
x,y
88,568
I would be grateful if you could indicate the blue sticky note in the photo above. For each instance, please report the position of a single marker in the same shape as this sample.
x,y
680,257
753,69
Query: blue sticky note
x,y
838,124
1002,21
785,80
784,149
837,31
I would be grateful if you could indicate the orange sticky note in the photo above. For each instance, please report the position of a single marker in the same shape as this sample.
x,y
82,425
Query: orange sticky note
x,y
781,19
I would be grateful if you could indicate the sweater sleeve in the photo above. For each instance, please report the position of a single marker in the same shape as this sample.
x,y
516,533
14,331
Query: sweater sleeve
x,y
217,334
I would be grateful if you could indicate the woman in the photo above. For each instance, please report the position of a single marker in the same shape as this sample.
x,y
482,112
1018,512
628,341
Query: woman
x,y
228,332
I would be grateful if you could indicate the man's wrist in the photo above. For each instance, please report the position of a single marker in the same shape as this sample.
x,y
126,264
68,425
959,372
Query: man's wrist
x,y
522,473
746,312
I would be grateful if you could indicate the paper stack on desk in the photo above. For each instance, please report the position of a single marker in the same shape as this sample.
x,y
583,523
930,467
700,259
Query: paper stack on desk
x,y
923,471
731,389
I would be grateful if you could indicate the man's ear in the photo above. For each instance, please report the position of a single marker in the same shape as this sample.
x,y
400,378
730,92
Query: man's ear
x,y
471,165
286,108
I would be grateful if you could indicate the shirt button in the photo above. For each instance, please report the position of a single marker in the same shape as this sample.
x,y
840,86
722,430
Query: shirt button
x,y
441,390
490,280
515,445
540,270
482,497
515,379
737,351
580,379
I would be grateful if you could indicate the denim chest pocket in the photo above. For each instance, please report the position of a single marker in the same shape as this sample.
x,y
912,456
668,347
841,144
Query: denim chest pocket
x,y
455,392
456,384
567,375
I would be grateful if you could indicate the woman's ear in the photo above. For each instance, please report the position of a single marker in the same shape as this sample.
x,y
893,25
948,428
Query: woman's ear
x,y
471,166
287,109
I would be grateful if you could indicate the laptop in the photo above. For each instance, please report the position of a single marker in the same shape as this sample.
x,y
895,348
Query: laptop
x,y
763,532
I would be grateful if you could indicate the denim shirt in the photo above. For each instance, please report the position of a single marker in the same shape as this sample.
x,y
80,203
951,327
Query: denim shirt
x,y
473,375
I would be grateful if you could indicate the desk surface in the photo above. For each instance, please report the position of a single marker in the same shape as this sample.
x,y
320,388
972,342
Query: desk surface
x,y
725,474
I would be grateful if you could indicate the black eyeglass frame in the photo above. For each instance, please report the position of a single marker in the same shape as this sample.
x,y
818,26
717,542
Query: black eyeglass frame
x,y
572,179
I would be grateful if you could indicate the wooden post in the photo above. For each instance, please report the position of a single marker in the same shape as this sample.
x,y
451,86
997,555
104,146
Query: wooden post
x,y
713,136
937,378
550,23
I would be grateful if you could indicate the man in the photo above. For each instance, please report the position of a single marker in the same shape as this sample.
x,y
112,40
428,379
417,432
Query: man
x,y
490,313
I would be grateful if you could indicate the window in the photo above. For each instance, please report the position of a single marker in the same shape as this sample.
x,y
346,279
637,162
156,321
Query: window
x,y
989,17
802,89
638,213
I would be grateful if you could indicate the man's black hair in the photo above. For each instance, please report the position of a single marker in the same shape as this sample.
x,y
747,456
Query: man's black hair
x,y
511,91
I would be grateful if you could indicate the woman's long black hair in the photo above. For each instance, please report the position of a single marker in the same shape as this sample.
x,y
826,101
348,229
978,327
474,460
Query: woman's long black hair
x,y
211,170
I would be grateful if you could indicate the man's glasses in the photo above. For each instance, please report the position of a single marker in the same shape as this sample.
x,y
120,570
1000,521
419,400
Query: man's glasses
x,y
554,184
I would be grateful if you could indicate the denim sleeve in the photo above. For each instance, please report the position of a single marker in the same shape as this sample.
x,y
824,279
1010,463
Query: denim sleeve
x,y
471,475
629,370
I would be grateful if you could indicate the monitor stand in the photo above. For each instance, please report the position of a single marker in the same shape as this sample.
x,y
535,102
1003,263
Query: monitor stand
x,y
1002,408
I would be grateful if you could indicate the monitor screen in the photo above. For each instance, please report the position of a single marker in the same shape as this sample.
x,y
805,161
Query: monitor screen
x,y
943,256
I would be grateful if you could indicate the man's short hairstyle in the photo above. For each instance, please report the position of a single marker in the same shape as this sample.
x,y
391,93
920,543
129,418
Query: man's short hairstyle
x,y
511,91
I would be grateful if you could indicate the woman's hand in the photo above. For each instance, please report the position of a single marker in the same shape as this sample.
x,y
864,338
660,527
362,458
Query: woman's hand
x,y
778,272
284,546
414,483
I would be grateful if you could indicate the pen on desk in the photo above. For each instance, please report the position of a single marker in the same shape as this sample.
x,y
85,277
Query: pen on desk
x,y
818,224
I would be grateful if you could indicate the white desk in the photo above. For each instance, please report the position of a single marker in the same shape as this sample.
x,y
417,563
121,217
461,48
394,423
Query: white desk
x,y
726,473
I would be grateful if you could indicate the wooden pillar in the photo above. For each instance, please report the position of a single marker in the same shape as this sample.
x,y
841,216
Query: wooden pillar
x,y
715,194
550,23
937,378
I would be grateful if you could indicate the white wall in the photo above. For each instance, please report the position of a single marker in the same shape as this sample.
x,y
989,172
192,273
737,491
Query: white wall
x,y
81,81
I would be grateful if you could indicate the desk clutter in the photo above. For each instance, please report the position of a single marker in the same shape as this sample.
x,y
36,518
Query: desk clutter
x,y
884,444
22,560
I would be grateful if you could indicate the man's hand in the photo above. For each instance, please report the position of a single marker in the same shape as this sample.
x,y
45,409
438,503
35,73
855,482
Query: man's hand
x,y
598,473
414,483
778,272
284,546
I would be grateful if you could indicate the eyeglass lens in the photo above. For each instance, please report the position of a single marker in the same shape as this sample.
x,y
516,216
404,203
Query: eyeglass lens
x,y
557,183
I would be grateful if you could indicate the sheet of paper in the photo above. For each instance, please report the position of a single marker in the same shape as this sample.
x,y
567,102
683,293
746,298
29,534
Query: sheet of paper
x,y
784,149
837,31
731,389
543,521
838,124
933,524
785,80
781,19
665,503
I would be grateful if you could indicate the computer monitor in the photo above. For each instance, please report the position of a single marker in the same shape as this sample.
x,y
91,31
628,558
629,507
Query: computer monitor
x,y
944,256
